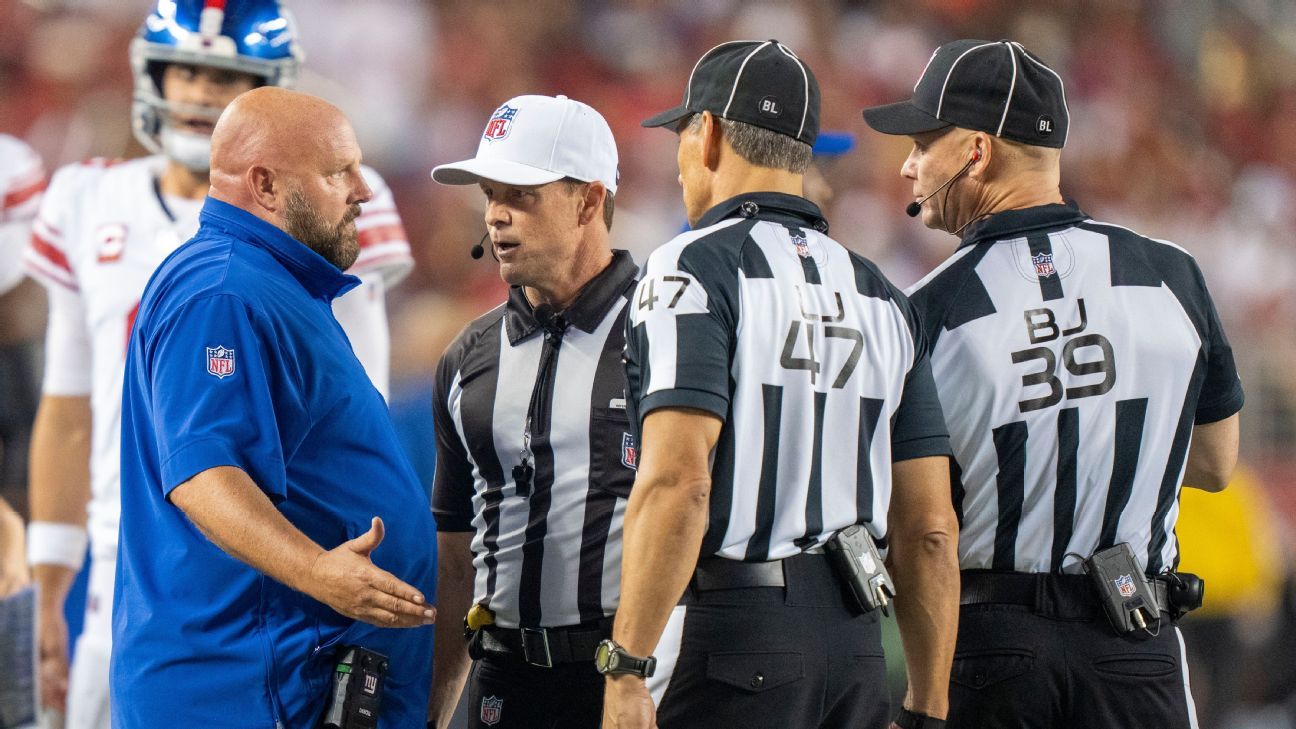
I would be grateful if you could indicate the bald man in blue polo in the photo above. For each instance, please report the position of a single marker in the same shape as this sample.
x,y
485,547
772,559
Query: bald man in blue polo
x,y
260,469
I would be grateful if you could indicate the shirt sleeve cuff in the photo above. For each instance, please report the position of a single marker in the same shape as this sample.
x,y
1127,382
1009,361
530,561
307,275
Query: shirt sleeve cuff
x,y
936,445
684,398
206,453
448,522
1220,408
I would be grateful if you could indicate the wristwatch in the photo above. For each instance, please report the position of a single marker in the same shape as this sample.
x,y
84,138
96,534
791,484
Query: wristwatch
x,y
610,658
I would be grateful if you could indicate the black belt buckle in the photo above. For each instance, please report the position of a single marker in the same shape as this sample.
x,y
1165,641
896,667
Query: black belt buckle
x,y
535,647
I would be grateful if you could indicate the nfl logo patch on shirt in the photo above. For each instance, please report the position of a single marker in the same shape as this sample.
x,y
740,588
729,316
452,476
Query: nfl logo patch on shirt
x,y
802,245
1043,265
491,708
1125,585
220,362
501,123
629,457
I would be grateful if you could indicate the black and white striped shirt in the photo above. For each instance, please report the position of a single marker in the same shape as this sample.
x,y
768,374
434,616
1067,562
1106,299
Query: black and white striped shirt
x,y
812,358
547,549
1073,358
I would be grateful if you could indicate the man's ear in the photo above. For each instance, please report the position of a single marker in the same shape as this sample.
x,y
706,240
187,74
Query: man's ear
x,y
712,137
981,149
592,202
263,186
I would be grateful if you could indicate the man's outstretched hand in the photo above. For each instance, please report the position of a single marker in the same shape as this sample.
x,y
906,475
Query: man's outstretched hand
x,y
346,579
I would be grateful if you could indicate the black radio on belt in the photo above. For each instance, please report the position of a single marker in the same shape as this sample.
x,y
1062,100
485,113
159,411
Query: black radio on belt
x,y
858,563
1124,590
357,692
1184,593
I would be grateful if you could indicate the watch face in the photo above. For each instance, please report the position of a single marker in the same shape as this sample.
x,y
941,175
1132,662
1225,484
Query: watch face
x,y
603,656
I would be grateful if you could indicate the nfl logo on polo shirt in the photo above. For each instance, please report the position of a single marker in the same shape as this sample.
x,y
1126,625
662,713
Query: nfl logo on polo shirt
x,y
1043,265
629,457
491,709
802,245
500,124
220,362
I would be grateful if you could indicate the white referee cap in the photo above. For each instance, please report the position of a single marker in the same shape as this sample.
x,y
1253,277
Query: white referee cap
x,y
535,140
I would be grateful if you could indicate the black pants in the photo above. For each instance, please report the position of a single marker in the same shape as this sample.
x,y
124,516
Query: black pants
x,y
1058,663
793,657
506,692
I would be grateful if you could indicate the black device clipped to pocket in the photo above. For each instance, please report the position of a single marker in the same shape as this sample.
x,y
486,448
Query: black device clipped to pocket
x,y
1124,590
859,564
356,698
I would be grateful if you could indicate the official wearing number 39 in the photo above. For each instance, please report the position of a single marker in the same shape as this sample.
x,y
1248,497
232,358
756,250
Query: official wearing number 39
x,y
1076,363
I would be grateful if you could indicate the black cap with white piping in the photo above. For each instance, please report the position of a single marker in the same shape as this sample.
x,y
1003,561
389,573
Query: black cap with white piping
x,y
994,87
762,83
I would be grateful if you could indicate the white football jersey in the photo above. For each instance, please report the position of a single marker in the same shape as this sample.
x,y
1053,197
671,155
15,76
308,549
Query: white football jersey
x,y
102,229
22,178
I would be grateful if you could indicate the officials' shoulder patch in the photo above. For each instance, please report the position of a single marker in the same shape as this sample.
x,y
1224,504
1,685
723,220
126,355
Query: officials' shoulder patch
x,y
220,362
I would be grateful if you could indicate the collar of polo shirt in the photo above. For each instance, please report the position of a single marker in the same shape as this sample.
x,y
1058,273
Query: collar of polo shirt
x,y
586,311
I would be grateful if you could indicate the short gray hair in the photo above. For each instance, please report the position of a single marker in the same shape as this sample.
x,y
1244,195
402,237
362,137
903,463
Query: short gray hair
x,y
763,147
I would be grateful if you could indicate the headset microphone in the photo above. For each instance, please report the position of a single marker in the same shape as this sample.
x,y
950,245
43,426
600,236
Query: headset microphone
x,y
479,250
913,208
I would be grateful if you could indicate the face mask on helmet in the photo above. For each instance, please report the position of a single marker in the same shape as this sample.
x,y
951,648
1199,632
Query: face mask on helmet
x,y
256,37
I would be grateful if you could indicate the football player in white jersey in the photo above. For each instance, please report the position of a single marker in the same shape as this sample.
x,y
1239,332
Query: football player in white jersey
x,y
102,229
22,179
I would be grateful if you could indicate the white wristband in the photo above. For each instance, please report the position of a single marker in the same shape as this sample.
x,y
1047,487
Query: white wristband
x,y
51,542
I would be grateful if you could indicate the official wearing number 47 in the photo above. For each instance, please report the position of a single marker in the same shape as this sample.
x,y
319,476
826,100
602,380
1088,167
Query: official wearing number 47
x,y
1084,375
788,419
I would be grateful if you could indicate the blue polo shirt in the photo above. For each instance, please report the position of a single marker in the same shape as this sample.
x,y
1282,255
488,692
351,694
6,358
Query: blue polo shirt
x,y
236,360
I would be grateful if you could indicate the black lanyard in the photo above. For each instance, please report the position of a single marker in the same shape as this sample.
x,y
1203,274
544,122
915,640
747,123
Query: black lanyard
x,y
539,410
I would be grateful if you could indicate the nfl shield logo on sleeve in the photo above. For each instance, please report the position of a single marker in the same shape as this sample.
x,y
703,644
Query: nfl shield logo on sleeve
x,y
501,123
491,708
629,456
220,362
1125,585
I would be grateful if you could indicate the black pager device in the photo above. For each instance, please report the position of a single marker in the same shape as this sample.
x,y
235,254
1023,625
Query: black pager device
x,y
857,561
1123,589
356,697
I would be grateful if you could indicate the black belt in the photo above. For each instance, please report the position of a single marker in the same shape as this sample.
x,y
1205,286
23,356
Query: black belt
x,y
718,573
548,647
1045,593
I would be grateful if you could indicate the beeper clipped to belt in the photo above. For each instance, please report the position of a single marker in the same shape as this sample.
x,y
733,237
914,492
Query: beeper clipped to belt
x,y
859,564
356,698
1124,590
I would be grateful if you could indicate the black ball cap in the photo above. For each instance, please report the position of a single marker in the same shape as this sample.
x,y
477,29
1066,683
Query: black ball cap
x,y
997,87
762,83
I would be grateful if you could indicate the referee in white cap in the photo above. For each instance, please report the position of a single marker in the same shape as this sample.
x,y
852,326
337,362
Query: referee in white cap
x,y
534,457
1084,376
785,404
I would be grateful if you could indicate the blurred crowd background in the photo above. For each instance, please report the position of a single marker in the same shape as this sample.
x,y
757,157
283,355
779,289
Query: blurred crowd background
x,y
1183,127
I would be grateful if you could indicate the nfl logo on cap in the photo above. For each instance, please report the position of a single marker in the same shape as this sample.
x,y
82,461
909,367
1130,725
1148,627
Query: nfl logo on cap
x,y
501,123
220,362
